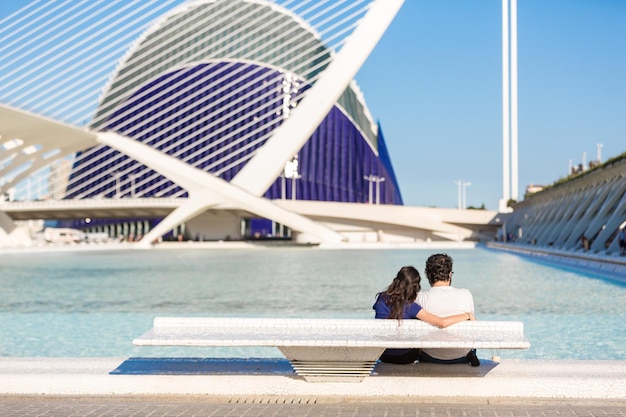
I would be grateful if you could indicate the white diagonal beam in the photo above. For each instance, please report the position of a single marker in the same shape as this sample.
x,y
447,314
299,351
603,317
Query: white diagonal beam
x,y
206,190
262,170
38,130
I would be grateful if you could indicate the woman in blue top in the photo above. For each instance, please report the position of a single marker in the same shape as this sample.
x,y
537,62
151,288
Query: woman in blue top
x,y
398,302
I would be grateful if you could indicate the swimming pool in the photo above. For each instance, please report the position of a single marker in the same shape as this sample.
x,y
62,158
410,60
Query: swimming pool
x,y
93,303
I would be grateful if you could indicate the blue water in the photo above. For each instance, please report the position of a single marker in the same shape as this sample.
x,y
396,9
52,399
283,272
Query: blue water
x,y
93,303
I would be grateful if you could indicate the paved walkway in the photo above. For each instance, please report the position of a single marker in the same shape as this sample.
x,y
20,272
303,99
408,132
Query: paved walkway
x,y
124,387
188,406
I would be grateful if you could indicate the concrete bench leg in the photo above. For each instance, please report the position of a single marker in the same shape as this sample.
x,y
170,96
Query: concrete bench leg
x,y
332,364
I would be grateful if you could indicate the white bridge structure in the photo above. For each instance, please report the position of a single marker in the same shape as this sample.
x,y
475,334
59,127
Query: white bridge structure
x,y
189,112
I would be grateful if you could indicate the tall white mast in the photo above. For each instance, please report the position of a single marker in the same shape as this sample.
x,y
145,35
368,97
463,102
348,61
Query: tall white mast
x,y
509,104
514,130
506,191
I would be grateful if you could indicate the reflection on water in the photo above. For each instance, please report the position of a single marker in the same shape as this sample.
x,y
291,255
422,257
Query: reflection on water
x,y
95,303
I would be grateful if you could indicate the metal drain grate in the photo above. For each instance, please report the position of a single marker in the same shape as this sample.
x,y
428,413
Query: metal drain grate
x,y
283,400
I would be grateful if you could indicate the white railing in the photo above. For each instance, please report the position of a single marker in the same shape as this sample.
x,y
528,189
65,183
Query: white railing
x,y
12,206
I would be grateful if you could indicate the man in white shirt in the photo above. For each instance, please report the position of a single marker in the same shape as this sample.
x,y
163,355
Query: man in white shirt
x,y
444,300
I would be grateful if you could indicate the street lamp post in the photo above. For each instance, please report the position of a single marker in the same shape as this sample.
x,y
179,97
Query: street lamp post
x,y
374,179
283,189
132,184
369,179
461,193
378,181
117,175
293,185
291,172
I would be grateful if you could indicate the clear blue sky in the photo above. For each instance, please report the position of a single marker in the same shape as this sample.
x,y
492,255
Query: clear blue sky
x,y
435,84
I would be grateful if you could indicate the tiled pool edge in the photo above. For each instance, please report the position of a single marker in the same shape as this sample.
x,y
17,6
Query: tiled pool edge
x,y
609,266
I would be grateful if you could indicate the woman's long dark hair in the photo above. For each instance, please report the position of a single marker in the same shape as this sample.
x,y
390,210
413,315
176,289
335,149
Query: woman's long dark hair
x,y
402,291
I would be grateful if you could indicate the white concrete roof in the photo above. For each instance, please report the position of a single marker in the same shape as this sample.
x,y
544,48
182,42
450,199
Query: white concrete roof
x,y
27,138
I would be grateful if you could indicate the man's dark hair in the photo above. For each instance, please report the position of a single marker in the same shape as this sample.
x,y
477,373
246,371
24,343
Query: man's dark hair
x,y
438,268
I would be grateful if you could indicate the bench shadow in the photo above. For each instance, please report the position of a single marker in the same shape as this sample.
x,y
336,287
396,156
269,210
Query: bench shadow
x,y
204,366
279,366
430,370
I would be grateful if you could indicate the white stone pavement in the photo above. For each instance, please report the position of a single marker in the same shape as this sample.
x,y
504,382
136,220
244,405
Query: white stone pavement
x,y
534,379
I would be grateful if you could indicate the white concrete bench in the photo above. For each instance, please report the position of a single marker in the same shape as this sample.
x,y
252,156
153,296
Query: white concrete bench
x,y
331,349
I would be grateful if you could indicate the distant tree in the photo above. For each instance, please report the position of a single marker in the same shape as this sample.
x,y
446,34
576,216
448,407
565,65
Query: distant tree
x,y
482,207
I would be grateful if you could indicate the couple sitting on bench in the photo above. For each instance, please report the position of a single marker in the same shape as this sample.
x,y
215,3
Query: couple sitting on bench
x,y
441,306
